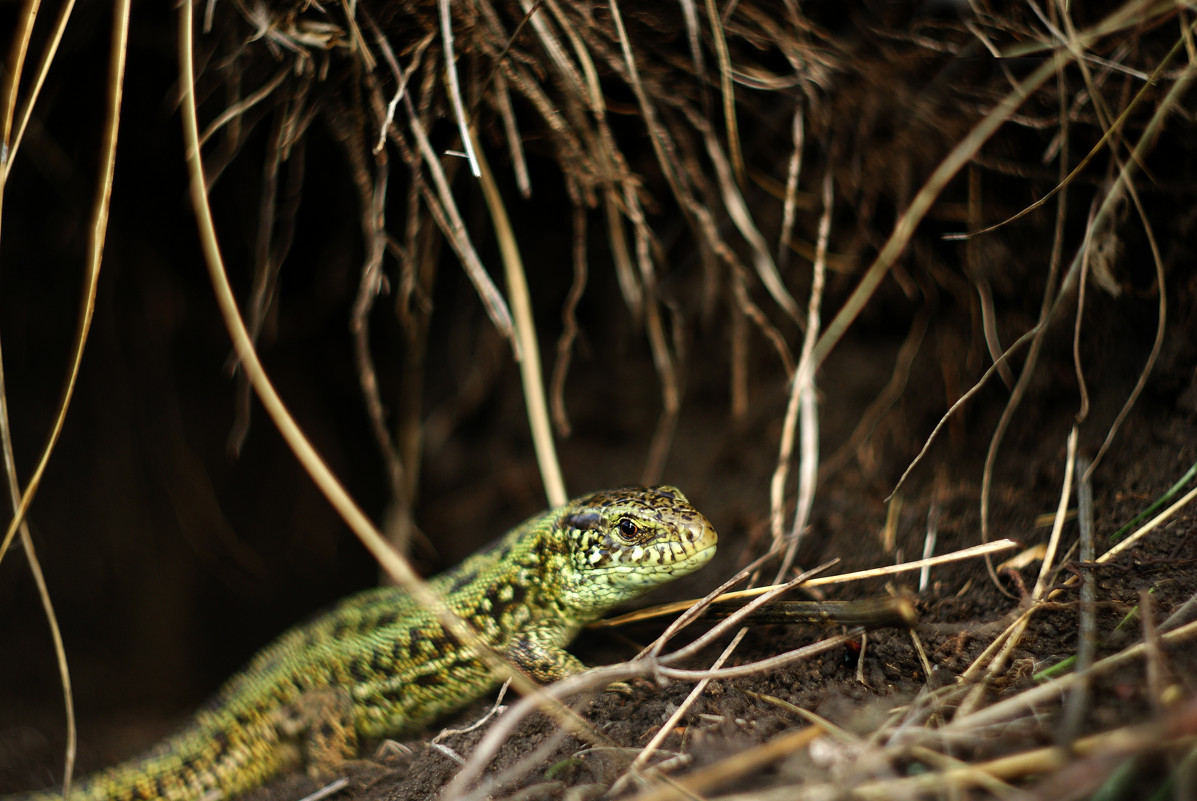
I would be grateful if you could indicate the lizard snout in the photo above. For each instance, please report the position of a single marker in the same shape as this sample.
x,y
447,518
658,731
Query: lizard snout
x,y
701,534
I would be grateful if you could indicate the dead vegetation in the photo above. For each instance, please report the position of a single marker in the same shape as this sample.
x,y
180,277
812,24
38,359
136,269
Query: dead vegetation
x,y
755,204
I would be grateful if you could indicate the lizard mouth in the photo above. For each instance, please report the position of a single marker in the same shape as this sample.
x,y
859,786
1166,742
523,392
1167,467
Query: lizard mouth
x,y
695,551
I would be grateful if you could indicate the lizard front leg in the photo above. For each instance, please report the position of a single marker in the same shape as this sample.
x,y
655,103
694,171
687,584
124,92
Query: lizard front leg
x,y
537,654
543,662
322,723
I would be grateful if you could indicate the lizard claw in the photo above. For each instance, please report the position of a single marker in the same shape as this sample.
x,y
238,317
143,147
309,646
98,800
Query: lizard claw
x,y
619,688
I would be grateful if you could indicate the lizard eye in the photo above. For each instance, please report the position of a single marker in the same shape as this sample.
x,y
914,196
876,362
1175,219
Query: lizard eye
x,y
627,529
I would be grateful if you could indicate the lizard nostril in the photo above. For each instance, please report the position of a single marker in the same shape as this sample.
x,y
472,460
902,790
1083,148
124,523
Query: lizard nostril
x,y
701,531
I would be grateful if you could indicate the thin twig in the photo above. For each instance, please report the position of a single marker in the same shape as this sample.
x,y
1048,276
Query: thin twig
x,y
727,89
923,200
569,325
793,173
118,52
667,727
390,559
929,540
525,331
803,406
10,140
973,552
739,616
1013,635
463,125
454,228
744,763
1077,705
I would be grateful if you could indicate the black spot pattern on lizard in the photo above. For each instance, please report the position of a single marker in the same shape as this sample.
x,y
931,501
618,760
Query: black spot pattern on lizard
x,y
402,651
386,618
399,668
397,695
463,581
361,672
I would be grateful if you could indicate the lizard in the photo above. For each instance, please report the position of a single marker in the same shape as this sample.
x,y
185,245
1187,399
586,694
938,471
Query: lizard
x,y
378,664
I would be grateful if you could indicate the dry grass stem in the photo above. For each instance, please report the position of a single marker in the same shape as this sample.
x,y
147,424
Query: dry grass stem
x,y
1145,143
884,401
1148,527
690,613
1050,301
525,331
644,665
238,109
1011,708
738,617
1110,132
1027,337
1112,745
1079,700
101,205
683,708
760,666
802,407
727,89
889,530
11,137
808,464
1053,542
535,700
390,559
741,216
979,278
1158,683
905,567
793,173
880,612
569,325
701,782
14,69
917,642
444,210
1011,638
922,201
929,540
463,125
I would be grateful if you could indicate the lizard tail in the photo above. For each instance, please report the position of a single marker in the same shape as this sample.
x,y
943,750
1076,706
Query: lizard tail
x,y
196,764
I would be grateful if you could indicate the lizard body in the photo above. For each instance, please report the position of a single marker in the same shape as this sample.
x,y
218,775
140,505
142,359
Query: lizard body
x,y
377,664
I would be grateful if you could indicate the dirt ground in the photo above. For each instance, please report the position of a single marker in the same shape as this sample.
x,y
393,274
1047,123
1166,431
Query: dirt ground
x,y
860,688
174,548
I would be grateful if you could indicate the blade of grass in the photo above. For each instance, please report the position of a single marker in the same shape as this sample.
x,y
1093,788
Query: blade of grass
x,y
525,332
1160,501
21,502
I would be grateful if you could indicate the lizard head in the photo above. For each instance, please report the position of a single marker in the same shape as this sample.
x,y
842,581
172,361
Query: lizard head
x,y
622,543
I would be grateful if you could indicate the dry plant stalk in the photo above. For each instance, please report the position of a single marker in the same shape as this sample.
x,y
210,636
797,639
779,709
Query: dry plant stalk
x,y
21,500
574,54
393,562
819,581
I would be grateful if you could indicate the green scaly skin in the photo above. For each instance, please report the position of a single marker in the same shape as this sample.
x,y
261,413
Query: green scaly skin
x,y
378,665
